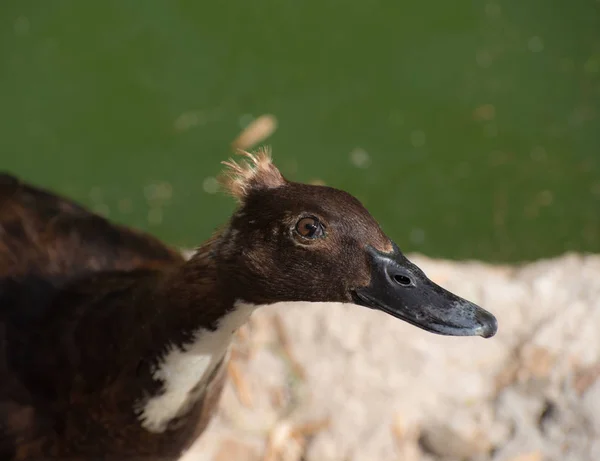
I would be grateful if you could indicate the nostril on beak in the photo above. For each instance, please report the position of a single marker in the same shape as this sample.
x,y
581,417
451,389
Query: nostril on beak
x,y
399,275
403,280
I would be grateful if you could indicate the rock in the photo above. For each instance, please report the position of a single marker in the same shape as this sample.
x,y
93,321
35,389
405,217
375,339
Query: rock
x,y
445,442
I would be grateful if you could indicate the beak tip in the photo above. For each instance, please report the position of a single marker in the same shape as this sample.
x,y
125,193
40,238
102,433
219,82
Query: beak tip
x,y
489,326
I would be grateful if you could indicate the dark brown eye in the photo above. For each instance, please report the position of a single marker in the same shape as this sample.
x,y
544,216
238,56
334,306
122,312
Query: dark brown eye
x,y
310,228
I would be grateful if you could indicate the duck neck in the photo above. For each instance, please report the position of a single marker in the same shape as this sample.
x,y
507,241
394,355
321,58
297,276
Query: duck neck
x,y
199,319
194,292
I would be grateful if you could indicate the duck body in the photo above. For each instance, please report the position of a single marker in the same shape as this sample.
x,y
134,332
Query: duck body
x,y
113,346
73,288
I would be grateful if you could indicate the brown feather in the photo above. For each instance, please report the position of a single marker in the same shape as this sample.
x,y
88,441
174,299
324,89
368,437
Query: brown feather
x,y
63,270
258,172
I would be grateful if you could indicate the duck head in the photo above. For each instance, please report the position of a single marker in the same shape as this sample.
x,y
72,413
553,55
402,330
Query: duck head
x,y
297,242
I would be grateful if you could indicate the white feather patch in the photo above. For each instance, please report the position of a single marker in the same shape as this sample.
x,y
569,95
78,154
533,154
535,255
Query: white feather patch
x,y
183,369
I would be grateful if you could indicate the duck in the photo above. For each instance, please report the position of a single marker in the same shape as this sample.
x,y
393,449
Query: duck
x,y
114,346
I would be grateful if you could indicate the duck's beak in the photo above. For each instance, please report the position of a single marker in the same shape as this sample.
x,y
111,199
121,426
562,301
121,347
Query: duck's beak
x,y
401,289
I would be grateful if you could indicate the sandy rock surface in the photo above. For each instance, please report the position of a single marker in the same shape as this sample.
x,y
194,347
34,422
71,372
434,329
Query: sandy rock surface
x,y
343,383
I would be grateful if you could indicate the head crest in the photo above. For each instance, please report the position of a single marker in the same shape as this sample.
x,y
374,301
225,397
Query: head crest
x,y
254,173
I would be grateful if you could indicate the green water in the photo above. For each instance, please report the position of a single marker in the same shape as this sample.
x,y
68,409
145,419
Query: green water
x,y
470,129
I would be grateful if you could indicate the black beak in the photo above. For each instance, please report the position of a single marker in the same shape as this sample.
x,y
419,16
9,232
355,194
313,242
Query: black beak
x,y
401,289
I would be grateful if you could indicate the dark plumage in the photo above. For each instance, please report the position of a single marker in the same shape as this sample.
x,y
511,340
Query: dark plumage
x,y
69,287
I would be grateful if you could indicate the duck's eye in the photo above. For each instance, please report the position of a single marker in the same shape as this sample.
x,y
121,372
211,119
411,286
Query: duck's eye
x,y
309,228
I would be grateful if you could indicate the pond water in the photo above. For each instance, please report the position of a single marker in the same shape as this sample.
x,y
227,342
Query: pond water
x,y
470,129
